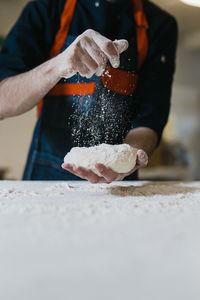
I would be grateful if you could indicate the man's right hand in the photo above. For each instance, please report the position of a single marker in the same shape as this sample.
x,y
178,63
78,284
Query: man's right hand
x,y
89,54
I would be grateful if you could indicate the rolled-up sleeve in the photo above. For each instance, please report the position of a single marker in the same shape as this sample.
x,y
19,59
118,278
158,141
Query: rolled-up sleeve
x,y
156,77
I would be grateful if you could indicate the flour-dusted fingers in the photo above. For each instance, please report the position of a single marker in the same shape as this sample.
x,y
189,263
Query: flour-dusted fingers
x,y
97,55
121,45
70,169
142,158
109,48
84,174
108,174
82,68
67,167
141,161
90,176
89,54
113,51
73,170
87,174
88,61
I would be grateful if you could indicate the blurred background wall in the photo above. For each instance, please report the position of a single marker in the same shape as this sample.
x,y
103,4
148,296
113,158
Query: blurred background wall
x,y
15,133
178,155
182,135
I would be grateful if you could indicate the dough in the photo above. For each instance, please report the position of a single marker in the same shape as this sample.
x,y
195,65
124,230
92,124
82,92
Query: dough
x,y
119,158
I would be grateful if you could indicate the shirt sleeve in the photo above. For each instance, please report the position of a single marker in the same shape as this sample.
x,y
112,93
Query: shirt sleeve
x,y
29,41
156,76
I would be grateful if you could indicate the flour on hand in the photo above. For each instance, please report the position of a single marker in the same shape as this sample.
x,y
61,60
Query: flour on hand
x,y
119,158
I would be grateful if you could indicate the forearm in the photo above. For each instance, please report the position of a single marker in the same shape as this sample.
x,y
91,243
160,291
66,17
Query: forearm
x,y
21,93
142,138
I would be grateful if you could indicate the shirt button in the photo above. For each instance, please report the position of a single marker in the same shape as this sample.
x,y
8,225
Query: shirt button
x,y
96,4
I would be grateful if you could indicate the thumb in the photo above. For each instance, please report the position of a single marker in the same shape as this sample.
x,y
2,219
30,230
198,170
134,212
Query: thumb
x,y
142,158
121,45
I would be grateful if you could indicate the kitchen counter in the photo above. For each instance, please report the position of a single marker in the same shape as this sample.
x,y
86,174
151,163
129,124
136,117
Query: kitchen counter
x,y
74,240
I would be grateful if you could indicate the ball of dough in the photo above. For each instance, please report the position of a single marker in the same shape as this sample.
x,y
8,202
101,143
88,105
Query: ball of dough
x,y
119,158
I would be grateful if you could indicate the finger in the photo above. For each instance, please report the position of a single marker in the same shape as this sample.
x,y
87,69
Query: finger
x,y
108,174
84,174
100,59
67,167
80,66
70,169
87,174
142,158
91,176
82,69
112,53
97,55
88,60
109,49
94,51
121,45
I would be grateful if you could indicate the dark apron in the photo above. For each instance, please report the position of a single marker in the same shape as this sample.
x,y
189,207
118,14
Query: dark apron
x,y
83,112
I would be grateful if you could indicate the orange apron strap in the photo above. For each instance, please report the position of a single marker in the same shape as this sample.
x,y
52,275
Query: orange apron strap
x,y
65,23
61,36
73,89
125,82
39,107
142,25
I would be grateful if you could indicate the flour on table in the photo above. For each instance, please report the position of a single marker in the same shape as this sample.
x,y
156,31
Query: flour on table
x,y
119,158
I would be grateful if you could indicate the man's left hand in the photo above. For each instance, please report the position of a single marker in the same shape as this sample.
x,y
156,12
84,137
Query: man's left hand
x,y
107,175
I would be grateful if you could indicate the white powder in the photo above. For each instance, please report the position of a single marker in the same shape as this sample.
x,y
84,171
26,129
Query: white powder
x,y
119,158
57,236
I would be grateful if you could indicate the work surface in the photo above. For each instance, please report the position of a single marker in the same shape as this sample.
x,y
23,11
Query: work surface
x,y
133,240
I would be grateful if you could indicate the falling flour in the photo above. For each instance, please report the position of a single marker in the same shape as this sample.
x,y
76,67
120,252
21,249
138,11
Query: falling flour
x,y
104,117
119,158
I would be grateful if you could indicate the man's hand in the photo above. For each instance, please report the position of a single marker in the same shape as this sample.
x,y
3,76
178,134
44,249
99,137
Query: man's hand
x,y
107,175
89,54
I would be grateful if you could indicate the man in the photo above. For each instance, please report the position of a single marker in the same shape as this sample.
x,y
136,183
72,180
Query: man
x,y
93,62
